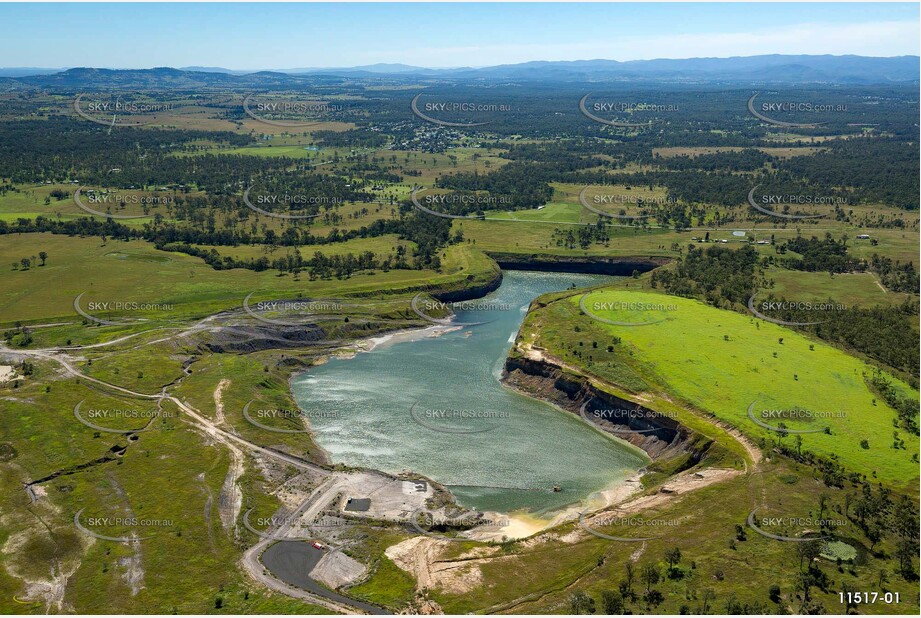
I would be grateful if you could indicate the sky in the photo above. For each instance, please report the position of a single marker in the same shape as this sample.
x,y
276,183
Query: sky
x,y
248,36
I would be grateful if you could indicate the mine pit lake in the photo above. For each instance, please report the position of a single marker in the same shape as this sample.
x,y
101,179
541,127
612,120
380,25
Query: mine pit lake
x,y
435,406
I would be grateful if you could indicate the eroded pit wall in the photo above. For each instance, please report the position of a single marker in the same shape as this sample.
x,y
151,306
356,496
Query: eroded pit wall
x,y
658,435
591,265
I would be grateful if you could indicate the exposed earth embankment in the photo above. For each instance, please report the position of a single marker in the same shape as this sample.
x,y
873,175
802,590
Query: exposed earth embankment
x,y
593,265
658,435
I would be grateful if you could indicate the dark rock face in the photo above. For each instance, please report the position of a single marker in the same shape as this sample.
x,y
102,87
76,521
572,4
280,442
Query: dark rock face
x,y
244,337
594,265
470,293
658,435
253,338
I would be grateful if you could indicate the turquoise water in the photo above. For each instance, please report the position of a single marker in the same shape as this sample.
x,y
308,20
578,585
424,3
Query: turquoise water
x,y
435,406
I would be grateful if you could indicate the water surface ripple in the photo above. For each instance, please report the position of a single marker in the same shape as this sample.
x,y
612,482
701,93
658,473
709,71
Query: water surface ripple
x,y
497,450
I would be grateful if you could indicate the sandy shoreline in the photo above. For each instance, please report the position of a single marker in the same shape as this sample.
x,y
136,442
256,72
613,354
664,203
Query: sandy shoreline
x,y
6,372
518,525
399,336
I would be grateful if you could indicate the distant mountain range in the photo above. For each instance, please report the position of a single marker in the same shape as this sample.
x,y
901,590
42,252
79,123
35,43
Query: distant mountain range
x,y
741,70
26,71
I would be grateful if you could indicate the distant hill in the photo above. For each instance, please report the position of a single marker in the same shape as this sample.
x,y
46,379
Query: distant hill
x,y
213,70
380,68
750,70
24,71
160,77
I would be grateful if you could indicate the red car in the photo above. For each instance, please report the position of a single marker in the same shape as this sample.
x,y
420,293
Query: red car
x,y
317,545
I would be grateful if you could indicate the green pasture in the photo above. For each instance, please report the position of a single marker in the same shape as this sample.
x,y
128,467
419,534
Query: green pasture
x,y
721,362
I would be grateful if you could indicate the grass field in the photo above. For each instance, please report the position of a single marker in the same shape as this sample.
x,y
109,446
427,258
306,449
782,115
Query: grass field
x,y
169,478
293,151
35,200
702,366
721,362
696,151
380,245
180,285
249,377
850,288
538,578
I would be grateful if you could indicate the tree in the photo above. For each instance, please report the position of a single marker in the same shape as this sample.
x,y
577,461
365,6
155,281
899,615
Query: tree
x,y
805,583
905,520
874,533
612,603
42,256
653,598
808,551
581,603
626,587
708,597
650,575
672,557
